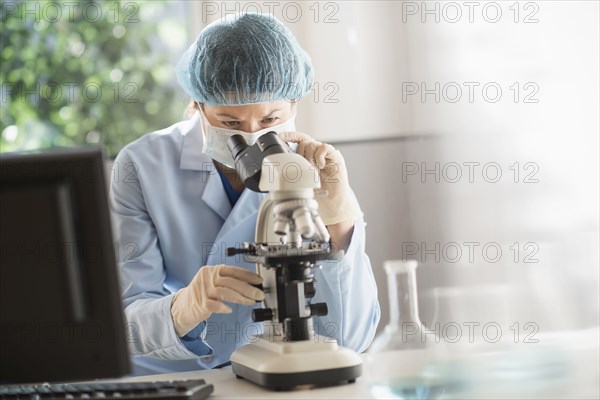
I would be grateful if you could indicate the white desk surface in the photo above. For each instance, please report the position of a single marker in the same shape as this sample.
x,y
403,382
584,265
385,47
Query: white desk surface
x,y
227,386
581,384
581,380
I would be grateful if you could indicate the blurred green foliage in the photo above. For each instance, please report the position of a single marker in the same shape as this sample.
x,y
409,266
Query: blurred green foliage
x,y
81,72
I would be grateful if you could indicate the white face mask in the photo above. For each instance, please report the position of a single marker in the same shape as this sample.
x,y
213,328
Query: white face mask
x,y
215,138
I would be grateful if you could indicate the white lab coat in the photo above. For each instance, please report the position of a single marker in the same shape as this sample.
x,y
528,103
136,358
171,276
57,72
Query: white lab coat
x,y
171,216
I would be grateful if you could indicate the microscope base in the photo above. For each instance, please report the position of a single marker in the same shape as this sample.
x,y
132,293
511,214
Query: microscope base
x,y
279,365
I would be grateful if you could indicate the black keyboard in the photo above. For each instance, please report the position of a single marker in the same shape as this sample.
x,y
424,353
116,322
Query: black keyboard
x,y
189,390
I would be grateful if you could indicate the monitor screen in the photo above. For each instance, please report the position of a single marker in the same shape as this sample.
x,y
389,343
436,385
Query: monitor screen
x,y
60,310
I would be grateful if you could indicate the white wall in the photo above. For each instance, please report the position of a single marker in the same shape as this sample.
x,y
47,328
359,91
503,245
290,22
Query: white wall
x,y
557,133
548,53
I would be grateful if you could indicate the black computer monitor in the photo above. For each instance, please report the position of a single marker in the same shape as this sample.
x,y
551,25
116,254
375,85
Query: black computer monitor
x,y
60,309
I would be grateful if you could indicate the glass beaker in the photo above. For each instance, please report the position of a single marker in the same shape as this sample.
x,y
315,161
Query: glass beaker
x,y
403,361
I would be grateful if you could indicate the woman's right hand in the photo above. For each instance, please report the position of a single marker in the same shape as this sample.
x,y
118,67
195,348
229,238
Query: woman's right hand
x,y
211,287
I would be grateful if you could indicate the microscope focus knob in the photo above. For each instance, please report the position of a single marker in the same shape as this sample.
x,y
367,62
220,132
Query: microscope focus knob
x,y
318,309
262,314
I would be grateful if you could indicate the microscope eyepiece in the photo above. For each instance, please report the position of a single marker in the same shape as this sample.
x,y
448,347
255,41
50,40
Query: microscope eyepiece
x,y
248,159
236,145
270,143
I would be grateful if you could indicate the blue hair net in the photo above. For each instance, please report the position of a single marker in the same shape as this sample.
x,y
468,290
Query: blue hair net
x,y
248,58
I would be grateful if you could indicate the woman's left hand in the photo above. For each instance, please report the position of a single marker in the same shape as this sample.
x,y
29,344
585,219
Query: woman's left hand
x,y
339,205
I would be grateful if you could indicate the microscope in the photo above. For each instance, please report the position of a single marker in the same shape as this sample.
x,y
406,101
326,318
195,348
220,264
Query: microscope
x,y
291,239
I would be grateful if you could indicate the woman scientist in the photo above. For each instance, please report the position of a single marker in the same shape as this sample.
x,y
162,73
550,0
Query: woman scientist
x,y
178,204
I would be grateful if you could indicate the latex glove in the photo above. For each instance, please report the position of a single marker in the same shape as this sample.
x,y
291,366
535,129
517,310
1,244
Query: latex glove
x,y
211,286
340,204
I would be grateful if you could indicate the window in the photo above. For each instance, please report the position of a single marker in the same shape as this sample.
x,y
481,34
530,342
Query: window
x,y
89,72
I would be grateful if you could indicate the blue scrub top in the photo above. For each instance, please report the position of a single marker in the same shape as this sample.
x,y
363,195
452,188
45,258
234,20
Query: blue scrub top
x,y
172,215
232,194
